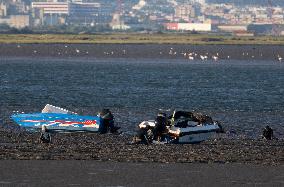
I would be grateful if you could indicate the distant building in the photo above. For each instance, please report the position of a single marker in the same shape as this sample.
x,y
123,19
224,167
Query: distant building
x,y
232,28
203,27
184,12
49,13
89,14
16,21
117,23
52,7
243,33
3,9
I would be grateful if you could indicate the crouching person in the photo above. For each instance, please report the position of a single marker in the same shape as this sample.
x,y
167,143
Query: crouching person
x,y
45,137
267,133
108,122
143,136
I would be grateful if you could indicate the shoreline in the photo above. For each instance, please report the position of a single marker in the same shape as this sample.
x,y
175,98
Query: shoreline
x,y
139,38
154,51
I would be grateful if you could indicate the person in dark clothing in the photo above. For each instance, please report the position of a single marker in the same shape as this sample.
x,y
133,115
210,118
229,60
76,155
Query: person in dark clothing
x,y
267,133
143,135
160,129
44,136
108,121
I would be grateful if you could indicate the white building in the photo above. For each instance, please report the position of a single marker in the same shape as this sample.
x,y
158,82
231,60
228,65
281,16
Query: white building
x,y
203,27
232,28
52,7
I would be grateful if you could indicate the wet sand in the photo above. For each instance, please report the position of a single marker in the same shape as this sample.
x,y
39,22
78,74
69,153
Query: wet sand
x,y
161,51
94,173
22,145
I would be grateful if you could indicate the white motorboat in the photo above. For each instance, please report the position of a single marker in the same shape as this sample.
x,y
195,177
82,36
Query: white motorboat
x,y
186,127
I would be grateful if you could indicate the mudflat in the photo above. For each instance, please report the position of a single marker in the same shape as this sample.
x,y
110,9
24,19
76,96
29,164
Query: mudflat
x,y
22,145
158,51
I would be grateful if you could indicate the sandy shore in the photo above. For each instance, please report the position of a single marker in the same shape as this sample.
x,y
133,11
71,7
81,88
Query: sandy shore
x,y
161,51
104,147
93,173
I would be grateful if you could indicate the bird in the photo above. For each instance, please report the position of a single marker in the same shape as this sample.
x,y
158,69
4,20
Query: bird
x,y
77,51
203,57
215,58
190,57
279,58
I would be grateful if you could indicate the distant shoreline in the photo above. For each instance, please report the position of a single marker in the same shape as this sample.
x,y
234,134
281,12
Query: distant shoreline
x,y
134,38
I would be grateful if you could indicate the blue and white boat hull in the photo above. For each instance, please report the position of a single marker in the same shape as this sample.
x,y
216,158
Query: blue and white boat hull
x,y
59,121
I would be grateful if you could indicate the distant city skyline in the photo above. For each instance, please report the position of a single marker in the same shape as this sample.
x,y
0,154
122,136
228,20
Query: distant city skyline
x,y
157,15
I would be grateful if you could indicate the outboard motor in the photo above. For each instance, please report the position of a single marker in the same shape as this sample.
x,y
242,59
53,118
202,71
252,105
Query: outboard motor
x,y
108,121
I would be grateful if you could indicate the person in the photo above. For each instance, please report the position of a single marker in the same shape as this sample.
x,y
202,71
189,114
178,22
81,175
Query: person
x,y
221,129
108,121
143,135
160,128
267,133
44,136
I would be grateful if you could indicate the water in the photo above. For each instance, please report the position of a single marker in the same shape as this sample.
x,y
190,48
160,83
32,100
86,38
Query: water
x,y
244,95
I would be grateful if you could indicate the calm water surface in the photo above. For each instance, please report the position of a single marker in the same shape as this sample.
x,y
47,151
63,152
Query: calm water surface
x,y
243,95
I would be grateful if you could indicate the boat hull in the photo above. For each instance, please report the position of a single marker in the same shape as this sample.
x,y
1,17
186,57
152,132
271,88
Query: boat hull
x,y
59,122
195,134
195,138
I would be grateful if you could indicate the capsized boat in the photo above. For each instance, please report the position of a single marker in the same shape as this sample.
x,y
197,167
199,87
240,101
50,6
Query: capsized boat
x,y
59,119
185,127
